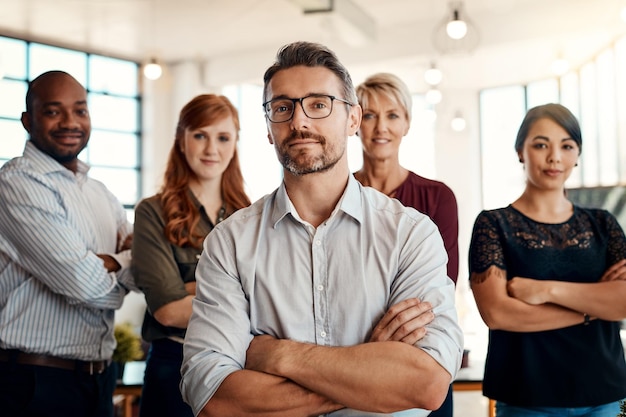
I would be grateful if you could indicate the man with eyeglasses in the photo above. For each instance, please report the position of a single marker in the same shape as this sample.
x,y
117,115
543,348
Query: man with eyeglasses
x,y
324,297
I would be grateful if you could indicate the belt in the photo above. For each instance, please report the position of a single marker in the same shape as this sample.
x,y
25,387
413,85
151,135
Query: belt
x,y
23,358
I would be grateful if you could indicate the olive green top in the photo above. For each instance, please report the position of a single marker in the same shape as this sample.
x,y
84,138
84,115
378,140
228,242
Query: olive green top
x,y
161,268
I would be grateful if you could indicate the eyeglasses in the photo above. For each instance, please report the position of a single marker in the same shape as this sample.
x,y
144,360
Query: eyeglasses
x,y
315,106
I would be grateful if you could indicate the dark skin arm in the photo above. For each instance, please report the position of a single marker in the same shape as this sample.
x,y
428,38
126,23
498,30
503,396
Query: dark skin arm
x,y
110,263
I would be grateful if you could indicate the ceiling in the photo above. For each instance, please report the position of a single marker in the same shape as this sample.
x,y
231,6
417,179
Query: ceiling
x,y
237,39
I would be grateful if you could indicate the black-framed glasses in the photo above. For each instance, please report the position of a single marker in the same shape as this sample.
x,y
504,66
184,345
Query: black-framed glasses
x,y
315,106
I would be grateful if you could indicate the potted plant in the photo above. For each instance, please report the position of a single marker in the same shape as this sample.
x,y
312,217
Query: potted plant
x,y
128,347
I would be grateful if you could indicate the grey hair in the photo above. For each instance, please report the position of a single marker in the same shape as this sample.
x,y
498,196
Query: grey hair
x,y
310,55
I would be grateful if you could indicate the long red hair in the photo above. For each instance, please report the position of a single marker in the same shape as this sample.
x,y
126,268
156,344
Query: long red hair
x,y
181,215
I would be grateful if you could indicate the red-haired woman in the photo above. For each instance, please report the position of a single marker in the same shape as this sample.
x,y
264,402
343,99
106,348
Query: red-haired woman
x,y
202,186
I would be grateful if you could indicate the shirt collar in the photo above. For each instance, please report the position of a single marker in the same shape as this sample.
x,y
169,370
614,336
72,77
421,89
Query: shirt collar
x,y
349,203
45,164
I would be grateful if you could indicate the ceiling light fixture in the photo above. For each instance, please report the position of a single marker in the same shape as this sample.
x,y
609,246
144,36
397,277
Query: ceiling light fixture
x,y
433,75
458,122
560,66
433,96
456,28
343,18
152,70
455,32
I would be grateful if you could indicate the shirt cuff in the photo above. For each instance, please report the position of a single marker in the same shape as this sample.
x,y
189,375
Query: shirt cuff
x,y
123,258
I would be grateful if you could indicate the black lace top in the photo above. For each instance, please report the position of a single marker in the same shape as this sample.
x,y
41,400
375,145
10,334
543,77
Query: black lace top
x,y
577,366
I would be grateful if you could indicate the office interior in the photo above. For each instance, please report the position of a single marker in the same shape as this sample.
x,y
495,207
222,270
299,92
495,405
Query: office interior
x,y
507,62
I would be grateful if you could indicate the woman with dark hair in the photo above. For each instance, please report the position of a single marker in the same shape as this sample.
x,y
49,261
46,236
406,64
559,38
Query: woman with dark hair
x,y
549,279
202,186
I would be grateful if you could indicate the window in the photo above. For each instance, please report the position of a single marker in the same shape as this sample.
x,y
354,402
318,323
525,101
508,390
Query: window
x,y
595,94
114,103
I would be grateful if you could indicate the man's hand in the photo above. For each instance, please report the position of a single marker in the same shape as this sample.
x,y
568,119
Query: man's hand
x,y
404,322
110,263
125,244
259,354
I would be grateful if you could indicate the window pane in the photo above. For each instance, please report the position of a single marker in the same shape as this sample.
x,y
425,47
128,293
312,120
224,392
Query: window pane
x,y
45,58
113,113
607,120
13,138
542,92
121,182
589,125
12,58
13,94
113,76
570,99
417,149
501,113
113,149
620,68
260,168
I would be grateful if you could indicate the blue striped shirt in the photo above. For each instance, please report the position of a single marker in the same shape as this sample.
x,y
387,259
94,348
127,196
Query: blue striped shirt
x,y
56,297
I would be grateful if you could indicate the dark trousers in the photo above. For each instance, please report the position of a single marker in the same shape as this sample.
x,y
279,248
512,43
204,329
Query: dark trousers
x,y
160,395
41,391
446,408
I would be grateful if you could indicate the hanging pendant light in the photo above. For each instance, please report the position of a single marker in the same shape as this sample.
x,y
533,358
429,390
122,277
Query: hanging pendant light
x,y
433,75
456,28
152,70
455,33
458,122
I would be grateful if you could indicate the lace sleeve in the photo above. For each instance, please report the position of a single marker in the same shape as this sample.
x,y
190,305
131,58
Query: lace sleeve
x,y
617,240
486,244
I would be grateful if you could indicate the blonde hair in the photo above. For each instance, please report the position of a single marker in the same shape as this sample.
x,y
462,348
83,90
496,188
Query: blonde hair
x,y
387,85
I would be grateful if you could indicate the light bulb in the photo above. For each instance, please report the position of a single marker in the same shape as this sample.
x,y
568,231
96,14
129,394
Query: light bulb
x,y
433,96
560,66
456,28
433,76
458,123
152,70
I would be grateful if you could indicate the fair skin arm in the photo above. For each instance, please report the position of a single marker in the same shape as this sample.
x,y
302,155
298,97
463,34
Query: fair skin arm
x,y
528,305
177,313
501,311
602,299
249,392
379,377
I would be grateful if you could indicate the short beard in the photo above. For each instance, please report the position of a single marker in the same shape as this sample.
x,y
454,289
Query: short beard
x,y
305,164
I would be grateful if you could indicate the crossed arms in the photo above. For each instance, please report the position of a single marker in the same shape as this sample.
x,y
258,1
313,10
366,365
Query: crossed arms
x,y
529,305
288,378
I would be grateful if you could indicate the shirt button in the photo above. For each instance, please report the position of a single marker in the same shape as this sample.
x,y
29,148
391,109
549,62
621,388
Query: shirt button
x,y
320,287
318,242
323,334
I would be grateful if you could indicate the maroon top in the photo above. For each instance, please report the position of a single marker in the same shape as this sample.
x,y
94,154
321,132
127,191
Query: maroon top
x,y
436,200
